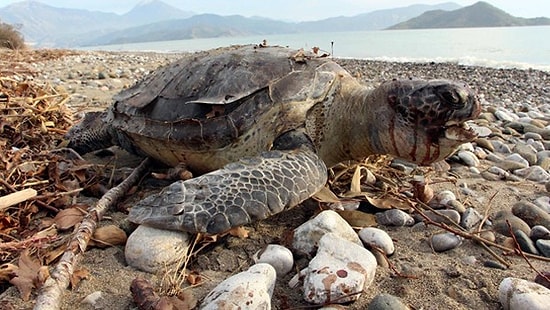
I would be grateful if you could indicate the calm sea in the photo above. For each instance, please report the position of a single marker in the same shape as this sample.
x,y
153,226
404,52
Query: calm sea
x,y
504,47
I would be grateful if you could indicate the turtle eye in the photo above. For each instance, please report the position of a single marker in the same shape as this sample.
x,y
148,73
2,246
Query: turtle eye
x,y
453,98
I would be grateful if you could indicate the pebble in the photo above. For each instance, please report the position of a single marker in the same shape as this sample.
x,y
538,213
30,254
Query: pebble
x,y
470,218
539,232
339,272
500,225
543,202
544,247
519,294
385,301
447,216
94,299
469,158
531,214
500,147
372,236
445,241
527,152
250,289
525,243
394,217
307,236
154,250
515,157
277,256
442,198
534,173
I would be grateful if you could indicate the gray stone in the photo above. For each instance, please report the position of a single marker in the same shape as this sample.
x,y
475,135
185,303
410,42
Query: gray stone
x,y
511,165
519,294
486,144
543,202
446,216
534,173
394,217
527,152
500,225
470,218
387,302
500,147
445,241
154,250
539,232
531,214
532,135
543,246
469,158
525,243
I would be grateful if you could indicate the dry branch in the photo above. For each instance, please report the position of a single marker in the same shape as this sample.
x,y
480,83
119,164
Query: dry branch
x,y
50,295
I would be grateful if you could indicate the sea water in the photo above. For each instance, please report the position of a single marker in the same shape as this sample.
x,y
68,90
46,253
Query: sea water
x,y
500,47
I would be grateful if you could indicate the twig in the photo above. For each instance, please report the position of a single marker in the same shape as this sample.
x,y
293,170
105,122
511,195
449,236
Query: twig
x,y
50,295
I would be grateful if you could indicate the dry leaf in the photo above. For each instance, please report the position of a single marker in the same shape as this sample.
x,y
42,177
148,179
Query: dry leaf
x,y
26,275
326,195
107,236
67,218
194,278
358,218
390,203
239,231
355,186
79,275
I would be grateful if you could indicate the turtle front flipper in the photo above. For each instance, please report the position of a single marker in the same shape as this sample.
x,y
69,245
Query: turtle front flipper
x,y
240,193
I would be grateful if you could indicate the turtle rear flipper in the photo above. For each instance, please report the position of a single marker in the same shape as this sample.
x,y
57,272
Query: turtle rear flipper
x,y
240,193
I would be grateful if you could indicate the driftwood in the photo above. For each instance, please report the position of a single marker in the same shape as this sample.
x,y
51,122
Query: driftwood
x,y
50,294
17,197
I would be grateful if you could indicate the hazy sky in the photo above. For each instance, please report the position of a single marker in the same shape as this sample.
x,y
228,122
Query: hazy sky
x,y
296,10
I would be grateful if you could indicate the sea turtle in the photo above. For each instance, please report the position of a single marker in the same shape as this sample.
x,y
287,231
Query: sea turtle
x,y
264,123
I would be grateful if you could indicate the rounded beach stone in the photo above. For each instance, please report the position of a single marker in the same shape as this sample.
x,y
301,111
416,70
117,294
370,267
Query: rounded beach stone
x,y
372,236
539,232
339,272
251,289
447,216
394,217
442,198
385,301
153,250
543,202
525,243
445,241
500,225
277,256
307,236
519,294
534,173
544,247
469,158
470,218
531,214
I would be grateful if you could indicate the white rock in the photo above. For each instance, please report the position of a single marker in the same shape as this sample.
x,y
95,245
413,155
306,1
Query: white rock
x,y
445,241
277,256
505,115
377,237
470,218
519,294
307,236
442,198
517,158
94,299
469,158
339,272
251,289
481,131
543,202
466,147
154,250
534,173
498,171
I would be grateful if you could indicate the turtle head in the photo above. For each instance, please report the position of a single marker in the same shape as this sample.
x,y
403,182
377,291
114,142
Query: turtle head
x,y
427,118
90,134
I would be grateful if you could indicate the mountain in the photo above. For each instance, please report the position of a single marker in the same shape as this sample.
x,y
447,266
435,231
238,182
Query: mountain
x,y
375,20
198,26
480,14
210,25
46,25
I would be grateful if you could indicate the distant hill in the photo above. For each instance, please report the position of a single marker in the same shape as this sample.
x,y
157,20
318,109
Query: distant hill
x,y
480,14
211,25
46,25
375,20
198,26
